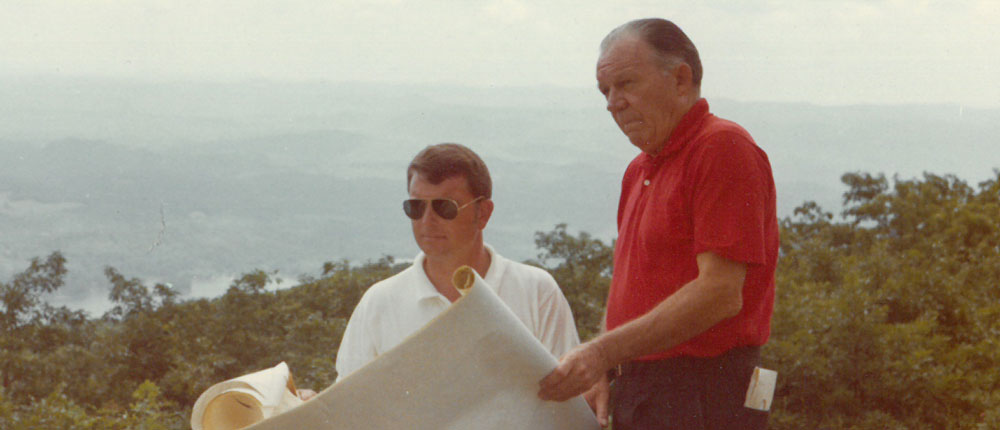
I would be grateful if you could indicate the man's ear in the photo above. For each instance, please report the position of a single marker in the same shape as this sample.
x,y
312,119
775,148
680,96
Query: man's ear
x,y
684,78
485,210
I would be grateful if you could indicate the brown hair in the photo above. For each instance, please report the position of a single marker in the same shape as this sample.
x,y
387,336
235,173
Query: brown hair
x,y
436,163
667,39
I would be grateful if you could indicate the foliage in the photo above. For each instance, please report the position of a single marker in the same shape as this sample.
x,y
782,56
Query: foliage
x,y
33,332
58,411
143,363
886,317
582,268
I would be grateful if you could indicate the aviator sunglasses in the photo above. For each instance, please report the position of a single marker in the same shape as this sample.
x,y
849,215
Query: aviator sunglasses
x,y
445,208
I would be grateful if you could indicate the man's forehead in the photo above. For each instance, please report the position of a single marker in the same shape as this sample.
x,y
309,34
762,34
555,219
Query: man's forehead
x,y
450,185
628,51
625,46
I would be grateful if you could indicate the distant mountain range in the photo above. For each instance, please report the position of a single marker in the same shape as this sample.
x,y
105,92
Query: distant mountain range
x,y
194,183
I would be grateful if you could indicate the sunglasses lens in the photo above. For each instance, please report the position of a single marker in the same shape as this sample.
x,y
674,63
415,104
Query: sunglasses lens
x,y
446,209
414,208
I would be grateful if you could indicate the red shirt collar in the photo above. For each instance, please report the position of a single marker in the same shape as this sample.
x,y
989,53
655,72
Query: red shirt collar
x,y
688,125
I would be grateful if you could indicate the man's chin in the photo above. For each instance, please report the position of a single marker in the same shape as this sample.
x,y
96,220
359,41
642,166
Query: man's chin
x,y
638,143
433,247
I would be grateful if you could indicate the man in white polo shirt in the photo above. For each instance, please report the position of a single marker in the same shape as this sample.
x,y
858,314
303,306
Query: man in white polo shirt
x,y
449,205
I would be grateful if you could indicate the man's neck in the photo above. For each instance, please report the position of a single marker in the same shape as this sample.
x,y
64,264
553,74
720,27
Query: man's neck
x,y
439,269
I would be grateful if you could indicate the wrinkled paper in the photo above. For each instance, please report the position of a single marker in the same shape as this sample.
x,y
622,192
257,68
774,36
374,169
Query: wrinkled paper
x,y
475,366
240,402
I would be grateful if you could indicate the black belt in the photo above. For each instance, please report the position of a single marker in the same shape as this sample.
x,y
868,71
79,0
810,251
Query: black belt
x,y
734,355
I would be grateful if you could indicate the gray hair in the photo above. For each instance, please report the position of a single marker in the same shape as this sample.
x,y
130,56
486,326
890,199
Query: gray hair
x,y
671,45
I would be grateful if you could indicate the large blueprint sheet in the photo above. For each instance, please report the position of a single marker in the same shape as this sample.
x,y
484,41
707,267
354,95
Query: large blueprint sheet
x,y
475,366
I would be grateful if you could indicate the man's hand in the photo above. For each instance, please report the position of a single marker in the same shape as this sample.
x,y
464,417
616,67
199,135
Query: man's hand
x,y
598,397
578,371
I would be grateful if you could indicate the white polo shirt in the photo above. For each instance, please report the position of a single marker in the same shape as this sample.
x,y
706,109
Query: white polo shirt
x,y
396,307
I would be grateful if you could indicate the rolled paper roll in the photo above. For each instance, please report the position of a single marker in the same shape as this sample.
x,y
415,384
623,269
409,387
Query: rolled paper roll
x,y
242,401
463,279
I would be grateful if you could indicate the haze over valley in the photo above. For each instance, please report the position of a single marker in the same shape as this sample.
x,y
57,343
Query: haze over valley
x,y
194,183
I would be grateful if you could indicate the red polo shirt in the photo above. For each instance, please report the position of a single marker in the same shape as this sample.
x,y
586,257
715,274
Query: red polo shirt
x,y
709,189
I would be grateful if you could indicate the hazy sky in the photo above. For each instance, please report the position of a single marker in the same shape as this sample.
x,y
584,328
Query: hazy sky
x,y
817,51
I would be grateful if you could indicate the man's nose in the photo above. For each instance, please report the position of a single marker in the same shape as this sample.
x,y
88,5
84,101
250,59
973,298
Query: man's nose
x,y
615,101
429,215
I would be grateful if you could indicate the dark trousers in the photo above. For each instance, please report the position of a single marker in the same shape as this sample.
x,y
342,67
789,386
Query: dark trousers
x,y
687,393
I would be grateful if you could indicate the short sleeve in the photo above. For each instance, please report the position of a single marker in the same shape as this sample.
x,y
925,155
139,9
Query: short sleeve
x,y
732,190
557,330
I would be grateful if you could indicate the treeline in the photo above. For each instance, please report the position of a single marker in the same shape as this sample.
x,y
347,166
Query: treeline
x,y
885,317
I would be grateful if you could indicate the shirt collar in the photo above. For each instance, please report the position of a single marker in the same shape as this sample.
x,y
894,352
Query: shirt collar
x,y
424,289
497,267
686,127
422,286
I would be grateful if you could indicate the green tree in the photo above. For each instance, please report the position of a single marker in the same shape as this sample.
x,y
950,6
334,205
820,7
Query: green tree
x,y
581,265
53,412
32,331
887,319
143,328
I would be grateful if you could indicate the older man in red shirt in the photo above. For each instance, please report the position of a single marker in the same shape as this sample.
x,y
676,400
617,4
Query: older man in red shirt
x,y
693,286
